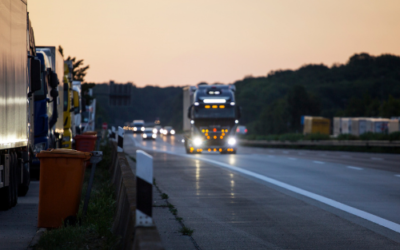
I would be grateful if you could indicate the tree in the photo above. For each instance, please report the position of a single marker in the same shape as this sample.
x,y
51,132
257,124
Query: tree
x,y
79,71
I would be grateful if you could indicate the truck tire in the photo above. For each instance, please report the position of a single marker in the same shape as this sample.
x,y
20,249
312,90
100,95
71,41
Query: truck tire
x,y
14,179
24,186
6,195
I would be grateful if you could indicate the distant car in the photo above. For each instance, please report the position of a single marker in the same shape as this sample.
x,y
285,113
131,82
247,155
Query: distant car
x,y
158,129
149,134
168,130
138,126
241,130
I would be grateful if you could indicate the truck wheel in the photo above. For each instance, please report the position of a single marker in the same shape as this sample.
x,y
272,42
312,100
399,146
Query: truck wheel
x,y
6,195
14,179
24,186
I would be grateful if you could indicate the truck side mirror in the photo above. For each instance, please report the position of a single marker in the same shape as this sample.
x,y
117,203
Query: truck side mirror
x,y
189,114
238,112
35,74
53,80
76,99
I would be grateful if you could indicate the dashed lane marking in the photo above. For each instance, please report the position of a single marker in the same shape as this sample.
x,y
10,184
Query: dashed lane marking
x,y
319,162
397,175
291,158
376,159
355,168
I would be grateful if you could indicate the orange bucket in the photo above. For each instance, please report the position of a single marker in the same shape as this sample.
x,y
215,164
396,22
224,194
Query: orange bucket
x,y
61,179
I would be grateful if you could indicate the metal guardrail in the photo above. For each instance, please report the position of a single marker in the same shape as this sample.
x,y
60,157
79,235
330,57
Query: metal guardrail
x,y
354,143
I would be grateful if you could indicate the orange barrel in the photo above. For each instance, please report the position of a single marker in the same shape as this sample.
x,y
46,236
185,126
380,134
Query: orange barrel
x,y
90,133
61,179
85,142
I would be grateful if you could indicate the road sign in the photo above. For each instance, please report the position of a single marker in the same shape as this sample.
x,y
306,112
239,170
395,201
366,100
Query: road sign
x,y
105,125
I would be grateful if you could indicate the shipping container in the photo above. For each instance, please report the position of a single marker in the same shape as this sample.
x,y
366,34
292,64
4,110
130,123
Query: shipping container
x,y
394,125
316,125
337,126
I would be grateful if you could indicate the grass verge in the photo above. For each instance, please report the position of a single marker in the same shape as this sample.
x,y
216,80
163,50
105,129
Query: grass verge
x,y
94,231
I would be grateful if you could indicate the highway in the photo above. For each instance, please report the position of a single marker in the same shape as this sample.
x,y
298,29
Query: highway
x,y
280,199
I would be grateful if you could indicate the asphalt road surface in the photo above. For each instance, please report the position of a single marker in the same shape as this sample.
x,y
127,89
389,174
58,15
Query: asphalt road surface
x,y
279,199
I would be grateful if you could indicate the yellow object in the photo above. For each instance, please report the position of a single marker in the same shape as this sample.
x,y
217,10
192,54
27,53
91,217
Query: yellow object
x,y
67,136
207,106
61,179
76,99
316,125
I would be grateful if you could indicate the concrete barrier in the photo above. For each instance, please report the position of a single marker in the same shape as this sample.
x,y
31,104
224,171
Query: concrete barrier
x,y
354,143
124,180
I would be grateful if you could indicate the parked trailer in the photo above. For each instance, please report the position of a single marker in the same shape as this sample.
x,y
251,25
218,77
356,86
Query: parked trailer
x,y
19,79
316,125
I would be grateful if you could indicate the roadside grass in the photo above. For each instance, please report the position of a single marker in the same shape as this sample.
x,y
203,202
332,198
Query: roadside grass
x,y
93,231
186,231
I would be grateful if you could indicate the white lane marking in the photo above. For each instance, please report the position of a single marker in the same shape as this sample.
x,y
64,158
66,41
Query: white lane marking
x,y
397,175
291,158
355,168
319,162
376,159
351,210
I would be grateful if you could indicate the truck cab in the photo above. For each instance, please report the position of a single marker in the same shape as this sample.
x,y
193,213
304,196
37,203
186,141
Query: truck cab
x,y
213,119
77,100
68,135
45,109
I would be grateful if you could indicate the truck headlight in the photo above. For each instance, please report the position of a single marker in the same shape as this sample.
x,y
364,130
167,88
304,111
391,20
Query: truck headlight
x,y
155,131
232,141
135,129
154,136
197,141
142,128
39,147
144,136
172,132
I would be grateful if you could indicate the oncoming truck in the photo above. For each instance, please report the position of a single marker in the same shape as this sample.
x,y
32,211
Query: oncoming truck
x,y
210,118
19,79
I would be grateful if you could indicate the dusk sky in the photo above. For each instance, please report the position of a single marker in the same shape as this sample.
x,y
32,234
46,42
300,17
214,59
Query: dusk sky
x,y
184,42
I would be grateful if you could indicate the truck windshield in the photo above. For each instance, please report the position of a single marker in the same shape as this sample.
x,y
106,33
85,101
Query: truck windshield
x,y
214,113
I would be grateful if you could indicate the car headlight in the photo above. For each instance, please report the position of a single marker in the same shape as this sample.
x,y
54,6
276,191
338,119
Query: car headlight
x,y
144,136
135,129
197,141
154,136
155,131
39,147
231,141
142,128
66,138
172,132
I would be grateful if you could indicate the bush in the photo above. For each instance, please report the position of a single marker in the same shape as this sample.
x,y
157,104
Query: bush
x,y
347,137
395,136
316,137
374,136
291,137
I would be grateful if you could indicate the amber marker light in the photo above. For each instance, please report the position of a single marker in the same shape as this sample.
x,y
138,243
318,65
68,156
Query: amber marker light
x,y
214,106
207,106
221,106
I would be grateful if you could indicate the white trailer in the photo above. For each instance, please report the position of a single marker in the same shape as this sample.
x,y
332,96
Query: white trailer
x,y
19,78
